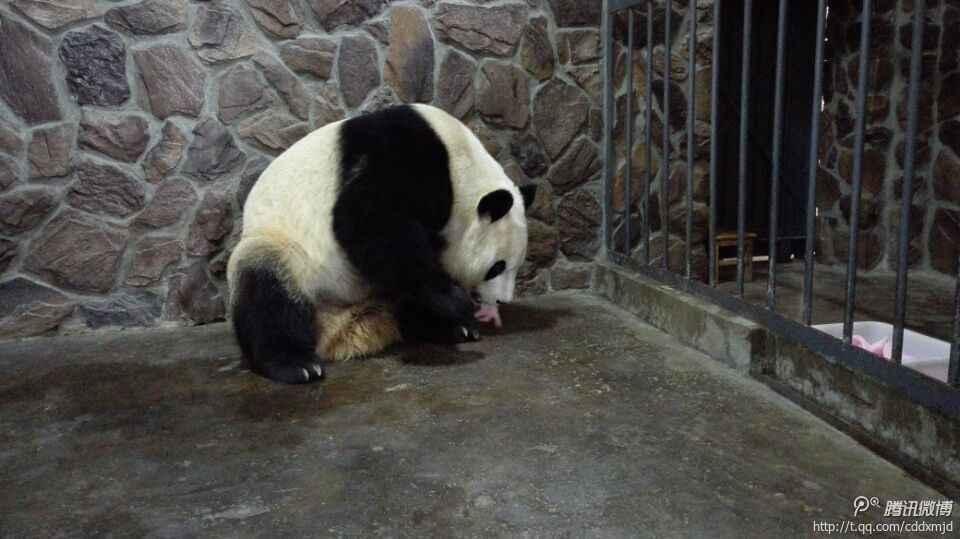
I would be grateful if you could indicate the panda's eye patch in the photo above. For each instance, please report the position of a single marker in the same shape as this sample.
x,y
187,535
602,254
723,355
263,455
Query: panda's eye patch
x,y
495,270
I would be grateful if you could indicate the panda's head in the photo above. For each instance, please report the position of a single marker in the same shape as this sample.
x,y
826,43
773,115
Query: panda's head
x,y
494,244
486,235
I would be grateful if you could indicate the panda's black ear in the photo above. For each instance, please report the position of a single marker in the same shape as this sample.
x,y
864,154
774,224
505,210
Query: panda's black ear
x,y
529,193
495,204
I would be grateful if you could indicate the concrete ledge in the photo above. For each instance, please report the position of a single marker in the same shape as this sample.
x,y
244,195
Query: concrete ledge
x,y
922,441
734,340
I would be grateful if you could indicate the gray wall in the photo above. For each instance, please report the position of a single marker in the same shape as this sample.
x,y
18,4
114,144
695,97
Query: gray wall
x,y
131,131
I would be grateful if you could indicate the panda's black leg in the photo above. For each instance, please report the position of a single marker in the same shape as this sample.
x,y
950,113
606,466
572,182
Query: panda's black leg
x,y
401,260
275,330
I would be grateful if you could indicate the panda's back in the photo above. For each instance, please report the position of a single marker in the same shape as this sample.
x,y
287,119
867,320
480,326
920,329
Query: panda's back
x,y
293,199
359,175
296,192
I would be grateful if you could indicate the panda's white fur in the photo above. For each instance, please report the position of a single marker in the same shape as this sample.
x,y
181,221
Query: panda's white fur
x,y
290,209
291,206
288,227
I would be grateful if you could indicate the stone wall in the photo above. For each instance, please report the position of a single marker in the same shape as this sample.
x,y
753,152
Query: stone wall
x,y
935,213
131,132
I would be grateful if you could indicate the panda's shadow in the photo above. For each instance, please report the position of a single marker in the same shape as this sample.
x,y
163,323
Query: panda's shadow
x,y
520,318
517,319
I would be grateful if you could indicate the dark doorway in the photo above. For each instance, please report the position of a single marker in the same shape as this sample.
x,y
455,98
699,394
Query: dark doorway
x,y
798,95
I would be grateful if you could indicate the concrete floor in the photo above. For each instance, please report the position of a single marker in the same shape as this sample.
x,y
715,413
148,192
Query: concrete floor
x,y
576,418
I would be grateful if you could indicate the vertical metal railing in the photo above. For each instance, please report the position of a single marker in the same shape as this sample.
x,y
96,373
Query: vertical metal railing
x,y
953,372
811,229
913,97
628,173
841,349
648,133
744,128
713,270
609,156
665,174
691,124
777,150
857,184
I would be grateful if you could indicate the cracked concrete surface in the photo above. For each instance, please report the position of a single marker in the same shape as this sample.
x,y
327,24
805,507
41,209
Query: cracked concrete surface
x,y
575,418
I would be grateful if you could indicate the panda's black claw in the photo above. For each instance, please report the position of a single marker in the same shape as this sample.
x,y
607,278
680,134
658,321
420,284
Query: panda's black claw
x,y
475,334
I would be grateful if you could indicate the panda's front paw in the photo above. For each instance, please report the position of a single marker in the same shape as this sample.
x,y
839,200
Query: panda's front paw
x,y
466,327
467,333
292,372
426,327
442,316
447,331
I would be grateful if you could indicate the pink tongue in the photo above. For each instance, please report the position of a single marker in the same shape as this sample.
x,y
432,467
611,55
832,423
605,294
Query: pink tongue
x,y
489,313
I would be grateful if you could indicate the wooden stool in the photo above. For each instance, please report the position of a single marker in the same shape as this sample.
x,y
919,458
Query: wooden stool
x,y
729,239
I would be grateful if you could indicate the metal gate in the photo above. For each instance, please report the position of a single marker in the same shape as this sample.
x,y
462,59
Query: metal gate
x,y
921,389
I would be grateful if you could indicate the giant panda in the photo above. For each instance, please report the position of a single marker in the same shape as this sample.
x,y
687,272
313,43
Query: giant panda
x,y
394,225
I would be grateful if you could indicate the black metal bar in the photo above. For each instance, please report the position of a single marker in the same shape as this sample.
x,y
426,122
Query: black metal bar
x,y
744,128
648,134
812,177
913,97
609,163
953,373
714,113
777,149
628,174
665,178
620,5
857,183
918,387
691,123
